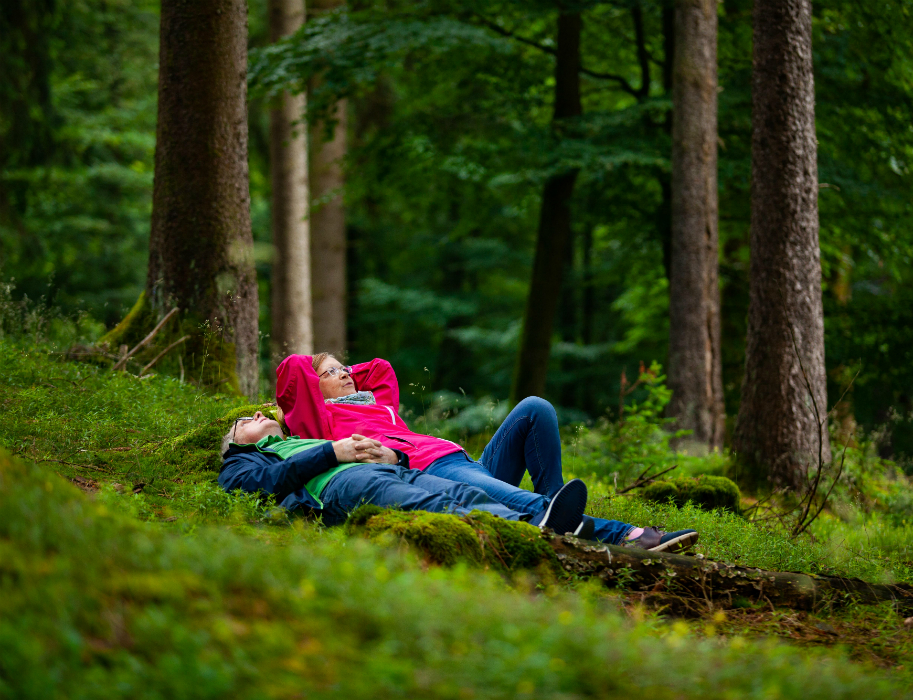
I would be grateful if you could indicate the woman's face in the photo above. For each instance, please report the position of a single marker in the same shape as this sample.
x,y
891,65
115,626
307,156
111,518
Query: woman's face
x,y
334,386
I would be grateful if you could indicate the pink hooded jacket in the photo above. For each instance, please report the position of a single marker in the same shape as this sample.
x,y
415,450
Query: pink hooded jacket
x,y
306,415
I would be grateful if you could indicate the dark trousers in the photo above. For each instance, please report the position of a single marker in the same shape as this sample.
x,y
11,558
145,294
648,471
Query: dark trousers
x,y
408,489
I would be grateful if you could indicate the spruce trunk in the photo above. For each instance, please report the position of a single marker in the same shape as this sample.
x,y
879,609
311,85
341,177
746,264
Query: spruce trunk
x,y
200,248
554,232
695,367
292,329
777,430
328,225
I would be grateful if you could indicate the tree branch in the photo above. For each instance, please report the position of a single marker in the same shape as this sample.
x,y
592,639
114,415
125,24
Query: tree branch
x,y
640,481
123,361
623,84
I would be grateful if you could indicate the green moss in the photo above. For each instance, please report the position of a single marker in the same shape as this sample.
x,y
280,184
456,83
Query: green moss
x,y
126,329
478,538
707,492
198,449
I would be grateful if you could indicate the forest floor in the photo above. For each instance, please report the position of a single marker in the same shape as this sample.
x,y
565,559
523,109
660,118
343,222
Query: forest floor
x,y
123,573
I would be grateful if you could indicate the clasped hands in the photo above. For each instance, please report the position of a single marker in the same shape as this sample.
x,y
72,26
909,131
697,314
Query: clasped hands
x,y
358,448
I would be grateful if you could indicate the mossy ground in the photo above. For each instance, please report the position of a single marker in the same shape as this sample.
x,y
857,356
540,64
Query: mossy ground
x,y
479,538
158,584
705,491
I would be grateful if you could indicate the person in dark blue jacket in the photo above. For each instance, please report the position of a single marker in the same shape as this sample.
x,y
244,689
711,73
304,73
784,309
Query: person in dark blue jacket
x,y
333,478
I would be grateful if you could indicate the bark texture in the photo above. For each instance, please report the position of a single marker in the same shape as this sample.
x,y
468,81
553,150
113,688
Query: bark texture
x,y
328,226
695,367
689,577
292,329
777,431
554,233
200,244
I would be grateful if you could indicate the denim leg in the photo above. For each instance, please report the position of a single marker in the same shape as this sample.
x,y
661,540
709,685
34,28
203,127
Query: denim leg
x,y
527,441
458,467
468,497
389,485
610,531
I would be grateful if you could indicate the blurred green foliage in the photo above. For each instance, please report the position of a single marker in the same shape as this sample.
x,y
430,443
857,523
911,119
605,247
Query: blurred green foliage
x,y
95,605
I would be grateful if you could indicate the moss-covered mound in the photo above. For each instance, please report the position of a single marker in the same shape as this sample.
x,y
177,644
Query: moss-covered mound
x,y
478,538
708,492
198,449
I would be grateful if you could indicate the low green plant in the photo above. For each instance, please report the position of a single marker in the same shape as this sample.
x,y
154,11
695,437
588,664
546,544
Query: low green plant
x,y
638,440
704,491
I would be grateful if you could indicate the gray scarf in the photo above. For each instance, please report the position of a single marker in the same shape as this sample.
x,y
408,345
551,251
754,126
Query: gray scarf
x,y
359,398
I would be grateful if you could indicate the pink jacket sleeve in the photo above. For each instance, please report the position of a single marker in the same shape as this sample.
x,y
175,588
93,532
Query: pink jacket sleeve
x,y
378,376
298,395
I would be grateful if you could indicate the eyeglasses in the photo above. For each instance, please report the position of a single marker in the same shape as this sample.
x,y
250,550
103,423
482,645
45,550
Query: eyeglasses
x,y
234,426
333,371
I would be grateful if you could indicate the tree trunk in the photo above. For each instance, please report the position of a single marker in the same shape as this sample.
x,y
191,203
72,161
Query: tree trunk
x,y
292,330
695,367
328,226
554,228
568,324
777,429
200,247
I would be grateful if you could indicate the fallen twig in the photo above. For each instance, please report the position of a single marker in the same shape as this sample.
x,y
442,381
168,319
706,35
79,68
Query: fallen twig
x,y
640,481
162,354
123,361
74,464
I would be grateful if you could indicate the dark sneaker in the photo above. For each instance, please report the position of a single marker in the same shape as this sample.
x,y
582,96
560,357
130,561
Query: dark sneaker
x,y
655,540
565,510
586,528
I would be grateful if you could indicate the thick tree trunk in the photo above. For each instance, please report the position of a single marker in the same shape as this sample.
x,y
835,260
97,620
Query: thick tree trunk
x,y
777,430
695,367
328,225
554,228
200,243
328,235
292,329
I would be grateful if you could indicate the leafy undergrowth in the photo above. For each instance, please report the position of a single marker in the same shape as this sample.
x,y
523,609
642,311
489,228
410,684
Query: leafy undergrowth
x,y
97,605
159,584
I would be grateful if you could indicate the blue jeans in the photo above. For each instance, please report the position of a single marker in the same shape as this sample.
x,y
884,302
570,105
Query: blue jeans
x,y
527,441
408,489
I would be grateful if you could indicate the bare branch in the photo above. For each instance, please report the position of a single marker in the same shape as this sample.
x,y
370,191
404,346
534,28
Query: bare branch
x,y
162,354
643,482
123,361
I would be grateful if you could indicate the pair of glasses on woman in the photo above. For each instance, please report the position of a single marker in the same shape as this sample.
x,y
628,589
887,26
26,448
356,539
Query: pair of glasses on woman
x,y
334,371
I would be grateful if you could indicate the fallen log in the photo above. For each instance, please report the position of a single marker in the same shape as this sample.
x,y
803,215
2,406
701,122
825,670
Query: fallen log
x,y
689,581
725,585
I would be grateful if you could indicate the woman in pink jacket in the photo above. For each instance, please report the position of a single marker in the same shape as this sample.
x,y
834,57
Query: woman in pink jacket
x,y
322,398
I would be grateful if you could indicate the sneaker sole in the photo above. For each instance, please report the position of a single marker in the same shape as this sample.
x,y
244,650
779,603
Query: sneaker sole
x,y
585,529
678,544
571,496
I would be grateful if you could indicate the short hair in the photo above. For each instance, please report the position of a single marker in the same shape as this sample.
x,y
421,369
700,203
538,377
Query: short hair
x,y
226,441
320,357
